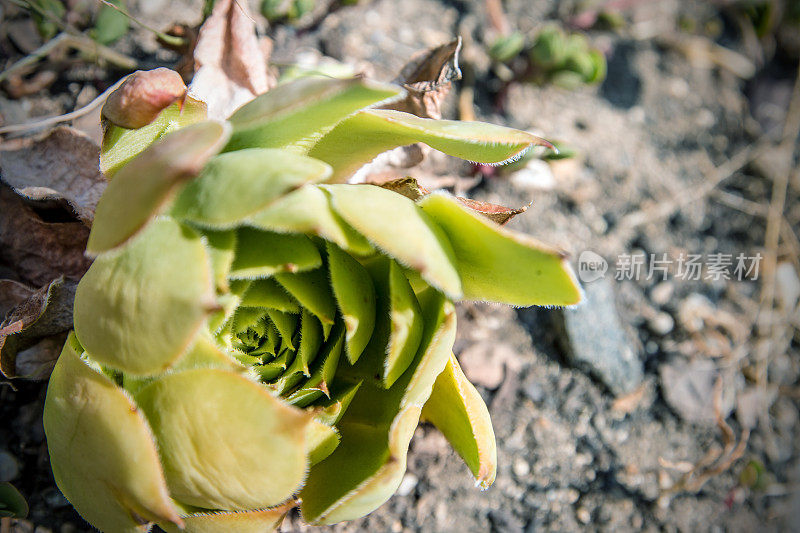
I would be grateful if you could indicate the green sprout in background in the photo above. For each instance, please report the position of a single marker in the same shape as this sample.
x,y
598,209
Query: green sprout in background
x,y
554,56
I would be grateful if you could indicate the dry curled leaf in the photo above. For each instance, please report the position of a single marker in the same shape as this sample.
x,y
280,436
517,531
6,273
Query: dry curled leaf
x,y
36,250
230,61
31,335
142,96
410,188
427,78
59,169
12,293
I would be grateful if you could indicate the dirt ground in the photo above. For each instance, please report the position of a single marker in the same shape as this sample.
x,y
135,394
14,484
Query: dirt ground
x,y
687,418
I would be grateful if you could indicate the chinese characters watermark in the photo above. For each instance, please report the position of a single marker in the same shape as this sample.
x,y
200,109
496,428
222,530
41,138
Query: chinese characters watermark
x,y
659,267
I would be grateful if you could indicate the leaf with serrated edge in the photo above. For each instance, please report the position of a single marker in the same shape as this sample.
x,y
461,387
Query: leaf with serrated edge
x,y
368,465
381,215
268,293
458,411
225,441
260,254
139,309
312,290
102,451
355,295
406,326
144,186
255,521
308,210
360,138
299,112
498,265
235,185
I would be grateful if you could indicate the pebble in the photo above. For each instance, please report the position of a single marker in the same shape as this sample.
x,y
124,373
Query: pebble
x,y
583,515
521,468
535,175
54,499
661,323
662,293
534,392
9,468
407,485
597,342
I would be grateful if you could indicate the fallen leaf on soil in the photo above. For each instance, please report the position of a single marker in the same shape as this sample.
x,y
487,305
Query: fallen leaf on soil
x,y
35,250
58,169
31,335
231,64
12,293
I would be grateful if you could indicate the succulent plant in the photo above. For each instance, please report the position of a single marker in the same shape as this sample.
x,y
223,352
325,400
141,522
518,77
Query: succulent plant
x,y
256,332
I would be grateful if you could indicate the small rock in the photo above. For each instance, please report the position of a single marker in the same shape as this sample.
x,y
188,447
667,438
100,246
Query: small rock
x,y
536,174
407,485
689,388
485,363
788,286
54,499
661,323
595,340
521,468
9,468
535,392
662,293
583,515
693,310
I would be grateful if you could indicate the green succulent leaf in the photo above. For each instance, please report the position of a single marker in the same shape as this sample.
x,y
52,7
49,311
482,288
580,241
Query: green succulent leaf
x,y
458,411
308,210
301,111
143,187
261,254
498,265
381,215
312,290
236,185
225,441
254,521
268,293
139,309
355,295
121,145
360,138
102,450
368,465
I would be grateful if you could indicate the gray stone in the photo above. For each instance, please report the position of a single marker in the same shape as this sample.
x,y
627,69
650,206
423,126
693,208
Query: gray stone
x,y
9,468
595,341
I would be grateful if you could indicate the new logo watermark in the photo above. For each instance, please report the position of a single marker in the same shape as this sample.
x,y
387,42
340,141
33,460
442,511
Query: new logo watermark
x,y
688,267
591,266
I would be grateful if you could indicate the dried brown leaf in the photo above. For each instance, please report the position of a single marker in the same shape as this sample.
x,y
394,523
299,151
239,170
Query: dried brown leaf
x,y
59,169
32,333
231,63
38,251
427,78
12,293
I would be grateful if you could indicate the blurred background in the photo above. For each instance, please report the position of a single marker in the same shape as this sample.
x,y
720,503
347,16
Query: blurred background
x,y
669,399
